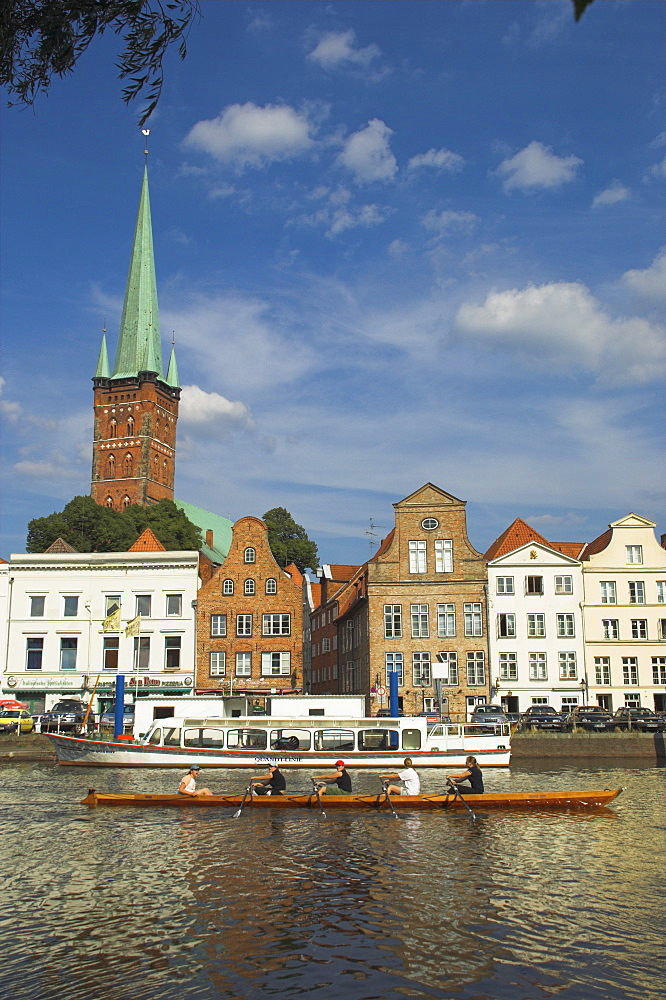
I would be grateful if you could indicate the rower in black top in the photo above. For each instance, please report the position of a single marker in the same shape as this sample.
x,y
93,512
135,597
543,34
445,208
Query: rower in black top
x,y
472,775
335,784
273,783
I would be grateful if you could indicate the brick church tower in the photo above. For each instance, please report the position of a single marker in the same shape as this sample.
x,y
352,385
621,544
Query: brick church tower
x,y
136,405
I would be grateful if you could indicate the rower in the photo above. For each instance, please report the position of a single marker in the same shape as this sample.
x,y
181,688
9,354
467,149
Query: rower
x,y
410,783
273,783
472,775
338,783
188,783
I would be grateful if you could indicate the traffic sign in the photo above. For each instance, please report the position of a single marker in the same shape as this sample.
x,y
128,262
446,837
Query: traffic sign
x,y
380,691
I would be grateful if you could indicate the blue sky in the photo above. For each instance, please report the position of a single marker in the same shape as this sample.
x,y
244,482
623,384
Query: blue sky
x,y
395,242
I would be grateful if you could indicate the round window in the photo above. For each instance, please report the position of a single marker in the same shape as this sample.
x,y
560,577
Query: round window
x,y
429,523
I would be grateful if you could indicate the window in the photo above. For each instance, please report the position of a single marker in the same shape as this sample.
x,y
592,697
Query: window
x,y
275,664
228,587
276,624
70,607
421,669
250,555
420,626
394,665
110,653
448,668
636,592
661,628
602,669
172,652
634,554
417,557
249,588
392,621
130,426
112,604
174,605
506,626
568,670
639,628
325,645
538,667
446,620
37,607
217,664
508,667
271,586
536,625
218,624
127,465
444,555
113,428
608,592
243,664
143,605
610,628
34,652
505,585
68,654
534,585
630,669
141,652
659,669
473,620
564,585
429,523
243,624
565,626
476,668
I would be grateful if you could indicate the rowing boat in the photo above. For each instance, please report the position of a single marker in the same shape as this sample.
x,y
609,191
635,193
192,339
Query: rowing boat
x,y
490,800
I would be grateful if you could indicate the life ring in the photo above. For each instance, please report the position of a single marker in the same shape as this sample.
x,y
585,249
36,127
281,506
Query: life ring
x,y
12,681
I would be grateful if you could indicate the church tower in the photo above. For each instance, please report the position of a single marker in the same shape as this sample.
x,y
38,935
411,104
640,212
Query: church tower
x,y
136,405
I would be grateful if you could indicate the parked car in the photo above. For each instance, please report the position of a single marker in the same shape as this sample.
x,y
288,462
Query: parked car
x,y
489,713
13,718
386,713
591,717
642,719
108,718
542,717
513,718
66,716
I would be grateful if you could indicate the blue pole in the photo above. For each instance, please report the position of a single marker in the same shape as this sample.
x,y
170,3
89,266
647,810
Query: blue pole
x,y
120,706
393,693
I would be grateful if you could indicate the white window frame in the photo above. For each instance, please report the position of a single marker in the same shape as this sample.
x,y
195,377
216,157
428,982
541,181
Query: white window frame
x,y
250,554
418,559
421,672
473,619
275,664
394,662
68,649
538,666
630,670
639,628
637,592
659,669
276,624
446,621
568,666
564,585
634,555
608,592
172,644
508,666
143,601
504,585
393,621
476,667
566,625
610,628
218,625
178,599
536,625
141,652
228,587
534,590
271,585
602,670
244,625
243,664
443,555
420,621
249,588
508,619
450,659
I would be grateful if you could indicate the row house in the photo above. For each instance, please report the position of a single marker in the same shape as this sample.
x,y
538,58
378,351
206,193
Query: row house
x,y
250,621
324,674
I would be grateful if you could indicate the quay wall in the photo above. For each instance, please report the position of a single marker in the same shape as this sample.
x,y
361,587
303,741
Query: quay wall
x,y
609,746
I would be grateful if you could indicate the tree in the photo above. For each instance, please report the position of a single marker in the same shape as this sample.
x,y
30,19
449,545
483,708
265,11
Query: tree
x,y
45,38
87,527
289,541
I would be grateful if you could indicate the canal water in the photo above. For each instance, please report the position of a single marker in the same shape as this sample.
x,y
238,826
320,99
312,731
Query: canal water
x,y
162,904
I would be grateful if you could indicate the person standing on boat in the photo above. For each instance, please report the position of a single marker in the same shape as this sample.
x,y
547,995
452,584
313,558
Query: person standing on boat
x,y
273,783
335,784
188,783
472,775
410,783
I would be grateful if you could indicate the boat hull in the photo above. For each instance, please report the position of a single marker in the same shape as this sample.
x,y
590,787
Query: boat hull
x,y
534,801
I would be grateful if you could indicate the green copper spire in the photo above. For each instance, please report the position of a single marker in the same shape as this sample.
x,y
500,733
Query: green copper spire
x,y
172,374
139,347
102,370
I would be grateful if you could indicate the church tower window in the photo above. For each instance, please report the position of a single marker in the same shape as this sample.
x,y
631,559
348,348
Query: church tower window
x,y
113,428
111,468
130,426
128,465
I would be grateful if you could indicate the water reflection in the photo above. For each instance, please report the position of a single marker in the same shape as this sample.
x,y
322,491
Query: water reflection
x,y
164,904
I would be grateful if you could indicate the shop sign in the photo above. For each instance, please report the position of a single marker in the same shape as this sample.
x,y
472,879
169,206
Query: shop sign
x,y
33,683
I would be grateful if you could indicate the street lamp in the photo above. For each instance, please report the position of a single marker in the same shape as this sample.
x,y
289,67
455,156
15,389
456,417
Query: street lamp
x,y
583,688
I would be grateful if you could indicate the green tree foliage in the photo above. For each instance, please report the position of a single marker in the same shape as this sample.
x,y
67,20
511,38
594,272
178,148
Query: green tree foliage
x,y
289,541
45,38
87,527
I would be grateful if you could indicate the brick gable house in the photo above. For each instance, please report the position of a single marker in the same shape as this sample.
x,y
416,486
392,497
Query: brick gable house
x,y
250,620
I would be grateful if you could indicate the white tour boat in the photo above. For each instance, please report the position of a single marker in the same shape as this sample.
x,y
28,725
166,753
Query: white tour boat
x,y
315,742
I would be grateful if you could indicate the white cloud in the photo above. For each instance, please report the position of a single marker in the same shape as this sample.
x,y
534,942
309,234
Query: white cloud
x,y
9,409
340,48
249,135
58,467
440,159
337,215
200,408
651,282
536,166
611,195
562,326
441,222
367,153
657,170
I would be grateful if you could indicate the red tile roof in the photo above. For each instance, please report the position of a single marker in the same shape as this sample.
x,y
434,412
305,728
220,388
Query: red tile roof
x,y
520,533
147,542
598,545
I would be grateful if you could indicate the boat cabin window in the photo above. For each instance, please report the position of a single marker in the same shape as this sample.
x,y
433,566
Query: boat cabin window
x,y
378,739
290,739
247,739
437,730
334,739
411,739
203,737
155,736
171,737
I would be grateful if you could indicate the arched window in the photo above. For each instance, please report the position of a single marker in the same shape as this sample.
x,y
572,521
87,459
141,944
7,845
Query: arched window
x,y
250,555
130,426
156,467
109,501
111,467
165,471
250,588
126,501
228,587
127,465
271,586
157,428
113,428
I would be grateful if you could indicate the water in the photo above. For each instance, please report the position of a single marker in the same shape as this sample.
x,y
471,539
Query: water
x,y
195,905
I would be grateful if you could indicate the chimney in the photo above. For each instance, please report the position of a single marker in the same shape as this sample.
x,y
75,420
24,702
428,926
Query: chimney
x,y
209,537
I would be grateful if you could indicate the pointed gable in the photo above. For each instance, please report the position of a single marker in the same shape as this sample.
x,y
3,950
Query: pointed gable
x,y
147,542
517,534
428,495
60,545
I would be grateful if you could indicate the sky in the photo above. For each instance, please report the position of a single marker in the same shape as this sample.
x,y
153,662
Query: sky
x,y
395,243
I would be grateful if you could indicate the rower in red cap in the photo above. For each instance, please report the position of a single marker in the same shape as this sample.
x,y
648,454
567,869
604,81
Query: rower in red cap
x,y
335,784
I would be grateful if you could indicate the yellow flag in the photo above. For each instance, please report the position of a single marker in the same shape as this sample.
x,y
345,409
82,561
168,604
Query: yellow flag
x,y
134,626
112,622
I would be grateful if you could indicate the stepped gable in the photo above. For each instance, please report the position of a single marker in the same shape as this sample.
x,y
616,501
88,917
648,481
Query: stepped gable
x,y
147,542
60,545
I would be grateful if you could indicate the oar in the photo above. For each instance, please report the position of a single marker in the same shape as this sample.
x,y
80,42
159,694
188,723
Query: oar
x,y
316,791
240,808
456,791
388,798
